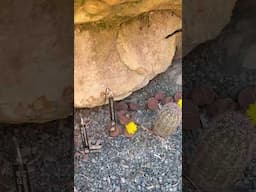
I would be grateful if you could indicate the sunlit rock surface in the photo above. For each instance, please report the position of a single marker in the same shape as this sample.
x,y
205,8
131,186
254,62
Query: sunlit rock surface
x,y
122,58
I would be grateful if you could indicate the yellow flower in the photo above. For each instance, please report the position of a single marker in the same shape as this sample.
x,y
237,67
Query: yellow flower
x,y
180,103
251,113
131,128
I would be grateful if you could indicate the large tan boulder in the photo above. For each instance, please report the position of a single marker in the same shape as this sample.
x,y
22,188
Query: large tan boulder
x,y
121,45
36,76
203,20
108,10
124,58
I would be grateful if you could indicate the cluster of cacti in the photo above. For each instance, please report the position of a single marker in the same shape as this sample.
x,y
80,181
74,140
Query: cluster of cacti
x,y
223,152
170,114
168,120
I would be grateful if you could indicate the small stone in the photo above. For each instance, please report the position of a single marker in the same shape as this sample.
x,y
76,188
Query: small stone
x,y
150,187
122,180
133,106
123,117
160,95
152,104
121,106
114,130
221,105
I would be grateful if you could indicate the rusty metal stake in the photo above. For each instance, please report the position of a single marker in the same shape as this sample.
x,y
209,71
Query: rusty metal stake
x,y
112,111
84,138
114,129
21,172
110,97
88,146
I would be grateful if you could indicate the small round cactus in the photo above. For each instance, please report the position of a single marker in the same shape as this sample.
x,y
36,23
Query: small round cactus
x,y
223,153
168,120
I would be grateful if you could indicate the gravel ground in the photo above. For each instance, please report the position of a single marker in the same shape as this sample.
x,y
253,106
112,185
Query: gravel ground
x,y
144,162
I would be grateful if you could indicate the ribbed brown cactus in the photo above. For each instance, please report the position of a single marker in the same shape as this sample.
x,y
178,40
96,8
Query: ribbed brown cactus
x,y
168,120
223,153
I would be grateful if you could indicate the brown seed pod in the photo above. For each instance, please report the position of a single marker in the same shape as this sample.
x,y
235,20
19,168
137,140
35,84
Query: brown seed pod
x,y
160,95
152,103
123,117
191,115
247,97
121,106
203,96
168,120
133,106
223,153
220,106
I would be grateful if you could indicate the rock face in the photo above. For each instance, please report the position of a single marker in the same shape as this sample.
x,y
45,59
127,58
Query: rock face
x,y
120,43
122,58
36,76
108,10
203,20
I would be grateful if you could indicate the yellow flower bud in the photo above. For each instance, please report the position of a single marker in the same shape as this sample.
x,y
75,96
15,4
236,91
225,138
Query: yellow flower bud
x,y
131,128
251,113
180,103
